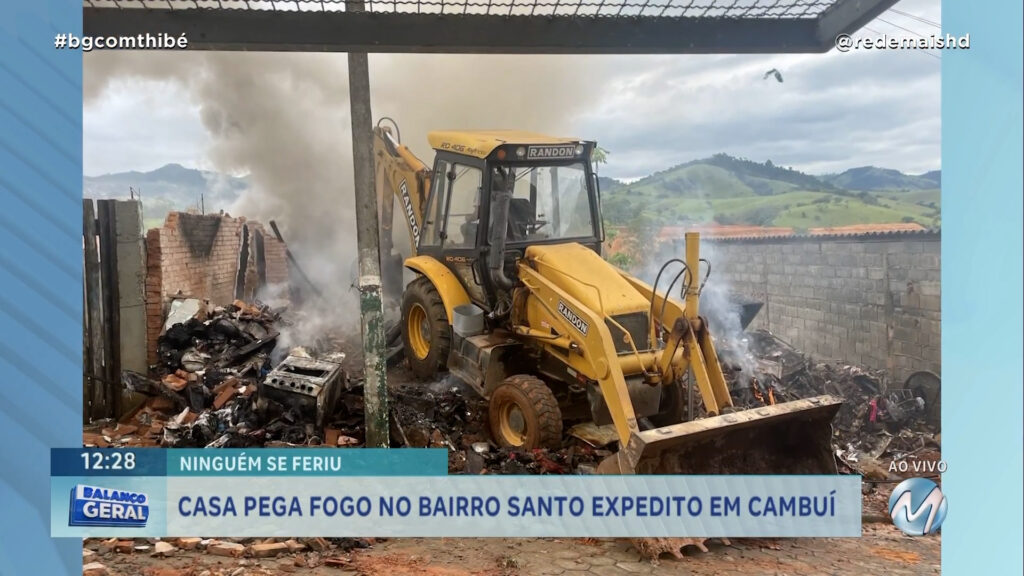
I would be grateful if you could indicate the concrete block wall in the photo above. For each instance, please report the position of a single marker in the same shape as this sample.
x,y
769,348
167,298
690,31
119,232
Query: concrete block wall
x,y
198,256
870,300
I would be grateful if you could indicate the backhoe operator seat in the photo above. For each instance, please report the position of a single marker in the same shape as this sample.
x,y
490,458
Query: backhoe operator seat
x,y
520,216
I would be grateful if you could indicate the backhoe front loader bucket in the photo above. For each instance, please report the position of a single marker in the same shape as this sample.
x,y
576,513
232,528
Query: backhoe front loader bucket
x,y
790,438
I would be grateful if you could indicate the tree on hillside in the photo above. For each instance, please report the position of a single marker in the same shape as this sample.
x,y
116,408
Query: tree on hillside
x,y
621,260
644,230
599,156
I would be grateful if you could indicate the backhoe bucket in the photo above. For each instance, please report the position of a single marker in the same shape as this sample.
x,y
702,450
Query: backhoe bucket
x,y
790,438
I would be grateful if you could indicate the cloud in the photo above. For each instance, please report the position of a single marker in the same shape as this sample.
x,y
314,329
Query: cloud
x,y
832,112
142,126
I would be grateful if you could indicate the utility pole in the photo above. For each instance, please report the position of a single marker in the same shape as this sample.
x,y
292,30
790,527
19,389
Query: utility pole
x,y
375,390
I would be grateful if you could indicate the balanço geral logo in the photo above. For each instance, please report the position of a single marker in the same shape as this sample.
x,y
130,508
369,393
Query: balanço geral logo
x,y
99,506
917,506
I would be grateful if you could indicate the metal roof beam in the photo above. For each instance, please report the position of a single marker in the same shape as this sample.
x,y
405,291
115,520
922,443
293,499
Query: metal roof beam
x,y
313,31
848,16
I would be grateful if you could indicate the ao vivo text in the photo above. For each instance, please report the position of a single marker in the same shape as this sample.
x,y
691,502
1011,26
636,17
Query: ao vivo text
x,y
918,466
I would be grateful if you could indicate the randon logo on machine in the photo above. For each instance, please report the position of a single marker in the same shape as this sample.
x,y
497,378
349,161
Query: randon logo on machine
x,y
577,322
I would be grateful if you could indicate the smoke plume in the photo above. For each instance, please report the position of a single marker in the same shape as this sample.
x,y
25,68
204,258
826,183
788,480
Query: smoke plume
x,y
283,118
719,303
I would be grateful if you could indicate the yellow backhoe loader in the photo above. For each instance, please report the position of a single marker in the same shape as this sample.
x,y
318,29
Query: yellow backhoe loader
x,y
512,296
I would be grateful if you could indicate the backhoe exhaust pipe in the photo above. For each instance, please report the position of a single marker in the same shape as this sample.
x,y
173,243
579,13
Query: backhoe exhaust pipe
x,y
500,199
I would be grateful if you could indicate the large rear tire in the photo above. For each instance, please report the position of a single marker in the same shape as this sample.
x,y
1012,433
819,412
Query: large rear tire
x,y
426,334
523,413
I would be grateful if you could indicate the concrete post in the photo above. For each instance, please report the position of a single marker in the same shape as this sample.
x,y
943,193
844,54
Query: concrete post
x,y
375,393
131,284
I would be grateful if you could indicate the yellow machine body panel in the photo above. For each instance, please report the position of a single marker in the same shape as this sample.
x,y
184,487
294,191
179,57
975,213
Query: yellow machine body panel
x,y
585,344
448,286
583,274
480,143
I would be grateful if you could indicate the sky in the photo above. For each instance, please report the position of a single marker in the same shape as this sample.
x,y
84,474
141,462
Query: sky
x,y
831,112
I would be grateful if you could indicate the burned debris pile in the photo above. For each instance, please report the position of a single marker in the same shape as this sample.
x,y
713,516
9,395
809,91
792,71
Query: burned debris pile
x,y
217,385
879,419
224,381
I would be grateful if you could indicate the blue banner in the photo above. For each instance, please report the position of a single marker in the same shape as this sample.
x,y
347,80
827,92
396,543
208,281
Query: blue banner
x,y
483,506
157,462
308,462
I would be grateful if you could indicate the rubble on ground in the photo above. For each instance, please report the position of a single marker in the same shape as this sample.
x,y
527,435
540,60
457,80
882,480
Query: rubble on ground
x,y
253,553
216,361
652,548
878,421
205,391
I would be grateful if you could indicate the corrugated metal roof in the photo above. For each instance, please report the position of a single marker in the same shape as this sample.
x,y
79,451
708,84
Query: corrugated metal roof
x,y
747,9
865,231
721,232
725,231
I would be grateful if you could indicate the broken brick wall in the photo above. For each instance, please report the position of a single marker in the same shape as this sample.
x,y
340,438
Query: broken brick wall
x,y
870,300
213,257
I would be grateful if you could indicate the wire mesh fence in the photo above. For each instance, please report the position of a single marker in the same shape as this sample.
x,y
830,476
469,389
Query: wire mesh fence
x,y
715,9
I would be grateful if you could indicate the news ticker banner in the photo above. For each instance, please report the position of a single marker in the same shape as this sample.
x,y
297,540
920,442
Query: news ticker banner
x,y
407,493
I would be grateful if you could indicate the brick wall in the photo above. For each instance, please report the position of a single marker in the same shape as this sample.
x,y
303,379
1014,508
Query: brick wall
x,y
869,300
154,293
198,256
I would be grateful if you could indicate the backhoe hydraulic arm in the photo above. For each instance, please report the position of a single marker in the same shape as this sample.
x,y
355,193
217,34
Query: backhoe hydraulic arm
x,y
402,176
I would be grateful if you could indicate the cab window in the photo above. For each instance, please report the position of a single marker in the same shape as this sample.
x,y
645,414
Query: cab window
x,y
431,234
464,196
548,202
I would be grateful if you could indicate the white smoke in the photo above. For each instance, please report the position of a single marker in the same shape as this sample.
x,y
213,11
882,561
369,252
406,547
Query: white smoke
x,y
283,118
719,303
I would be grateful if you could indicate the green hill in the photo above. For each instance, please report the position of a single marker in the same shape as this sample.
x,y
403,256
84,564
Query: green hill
x,y
730,190
874,178
168,188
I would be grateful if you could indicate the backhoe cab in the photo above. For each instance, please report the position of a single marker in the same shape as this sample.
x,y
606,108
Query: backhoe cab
x,y
513,297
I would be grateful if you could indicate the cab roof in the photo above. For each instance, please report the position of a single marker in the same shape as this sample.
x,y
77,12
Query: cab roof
x,y
480,143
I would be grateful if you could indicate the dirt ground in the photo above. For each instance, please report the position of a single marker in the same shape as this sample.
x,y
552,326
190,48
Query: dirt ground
x,y
881,550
